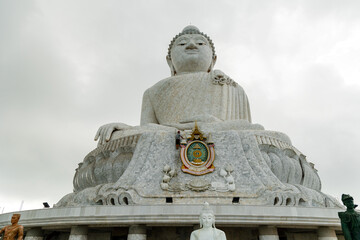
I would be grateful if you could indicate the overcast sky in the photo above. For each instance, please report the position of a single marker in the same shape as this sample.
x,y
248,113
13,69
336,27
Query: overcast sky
x,y
68,67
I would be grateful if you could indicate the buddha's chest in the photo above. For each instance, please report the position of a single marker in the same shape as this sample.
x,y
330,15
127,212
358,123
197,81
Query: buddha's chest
x,y
181,98
206,235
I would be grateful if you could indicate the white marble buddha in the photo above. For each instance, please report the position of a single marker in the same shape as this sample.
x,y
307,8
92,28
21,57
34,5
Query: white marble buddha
x,y
194,91
267,169
207,229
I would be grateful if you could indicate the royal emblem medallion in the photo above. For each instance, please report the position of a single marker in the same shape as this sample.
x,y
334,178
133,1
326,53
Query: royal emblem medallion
x,y
197,153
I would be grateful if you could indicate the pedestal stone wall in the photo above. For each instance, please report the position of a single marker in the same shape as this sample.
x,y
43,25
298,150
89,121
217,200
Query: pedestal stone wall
x,y
170,221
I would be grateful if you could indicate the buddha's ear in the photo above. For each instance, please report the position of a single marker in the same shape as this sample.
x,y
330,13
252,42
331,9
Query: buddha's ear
x,y
169,62
212,63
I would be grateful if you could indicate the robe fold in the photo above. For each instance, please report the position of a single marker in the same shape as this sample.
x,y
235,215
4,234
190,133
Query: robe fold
x,y
194,94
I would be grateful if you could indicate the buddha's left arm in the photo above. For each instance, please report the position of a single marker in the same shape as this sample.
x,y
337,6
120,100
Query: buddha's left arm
x,y
193,236
147,110
245,112
222,236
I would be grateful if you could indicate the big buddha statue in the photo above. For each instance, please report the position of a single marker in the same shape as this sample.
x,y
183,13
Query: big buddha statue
x,y
193,92
223,157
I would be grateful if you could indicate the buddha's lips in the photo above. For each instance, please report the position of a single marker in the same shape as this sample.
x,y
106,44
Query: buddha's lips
x,y
192,50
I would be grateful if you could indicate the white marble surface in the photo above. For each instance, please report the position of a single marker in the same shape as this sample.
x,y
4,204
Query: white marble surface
x,y
325,233
34,237
79,233
207,226
194,90
266,171
34,234
268,233
188,96
137,232
191,53
268,237
175,215
267,168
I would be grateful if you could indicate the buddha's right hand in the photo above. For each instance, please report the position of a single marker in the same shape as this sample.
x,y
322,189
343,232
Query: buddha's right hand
x,y
104,133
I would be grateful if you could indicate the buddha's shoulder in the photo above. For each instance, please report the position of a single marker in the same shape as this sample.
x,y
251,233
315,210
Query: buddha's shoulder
x,y
218,232
214,78
179,80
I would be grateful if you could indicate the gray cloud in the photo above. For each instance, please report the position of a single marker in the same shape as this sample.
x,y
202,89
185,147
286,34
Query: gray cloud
x,y
68,67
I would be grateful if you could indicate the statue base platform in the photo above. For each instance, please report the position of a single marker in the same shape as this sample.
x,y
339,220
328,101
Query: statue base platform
x,y
252,166
177,221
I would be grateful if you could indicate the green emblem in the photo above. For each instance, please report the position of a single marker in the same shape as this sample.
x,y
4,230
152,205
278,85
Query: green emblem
x,y
197,152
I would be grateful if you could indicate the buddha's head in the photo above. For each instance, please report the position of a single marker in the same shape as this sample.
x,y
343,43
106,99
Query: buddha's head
x,y
191,51
348,201
207,218
15,218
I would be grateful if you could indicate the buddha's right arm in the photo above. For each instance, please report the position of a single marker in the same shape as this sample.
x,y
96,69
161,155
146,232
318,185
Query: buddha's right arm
x,y
147,110
104,133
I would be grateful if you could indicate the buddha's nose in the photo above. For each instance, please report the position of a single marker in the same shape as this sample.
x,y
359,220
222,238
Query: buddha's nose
x,y
191,45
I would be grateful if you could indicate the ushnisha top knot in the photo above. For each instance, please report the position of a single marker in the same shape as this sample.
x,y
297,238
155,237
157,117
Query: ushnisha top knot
x,y
206,209
191,29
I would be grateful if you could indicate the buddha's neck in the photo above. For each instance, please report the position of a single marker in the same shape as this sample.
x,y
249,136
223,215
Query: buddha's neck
x,y
184,73
207,228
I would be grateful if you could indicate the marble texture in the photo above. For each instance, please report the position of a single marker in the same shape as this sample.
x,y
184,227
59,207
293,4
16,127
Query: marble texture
x,y
169,221
268,237
79,233
178,215
325,233
194,89
34,234
191,53
127,167
267,170
268,233
207,226
137,232
185,97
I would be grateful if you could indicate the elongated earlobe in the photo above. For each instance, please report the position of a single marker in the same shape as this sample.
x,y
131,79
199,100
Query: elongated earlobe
x,y
212,64
172,69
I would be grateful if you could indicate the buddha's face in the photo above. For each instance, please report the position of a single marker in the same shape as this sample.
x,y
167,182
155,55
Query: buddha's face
x,y
191,53
15,219
207,220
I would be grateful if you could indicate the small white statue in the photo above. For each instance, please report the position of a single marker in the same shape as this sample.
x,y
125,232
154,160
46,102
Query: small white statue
x,y
207,229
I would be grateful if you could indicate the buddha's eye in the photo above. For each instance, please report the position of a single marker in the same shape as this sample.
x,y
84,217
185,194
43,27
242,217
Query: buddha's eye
x,y
182,43
200,43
